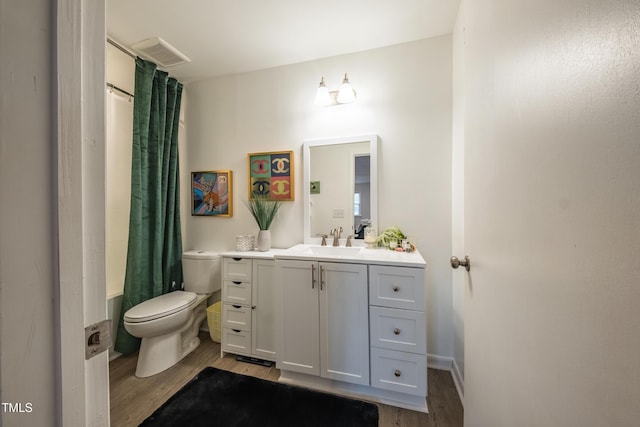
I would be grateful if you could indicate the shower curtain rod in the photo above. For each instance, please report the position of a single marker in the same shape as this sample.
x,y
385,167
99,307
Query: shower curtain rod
x,y
114,87
118,46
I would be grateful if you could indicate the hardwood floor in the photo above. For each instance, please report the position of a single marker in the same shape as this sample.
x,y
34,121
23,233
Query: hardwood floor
x,y
134,399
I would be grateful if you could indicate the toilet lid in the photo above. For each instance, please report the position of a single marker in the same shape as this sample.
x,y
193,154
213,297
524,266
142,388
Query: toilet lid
x,y
160,306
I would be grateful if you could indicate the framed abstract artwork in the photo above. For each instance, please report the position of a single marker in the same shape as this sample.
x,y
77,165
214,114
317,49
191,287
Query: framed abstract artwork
x,y
212,193
271,175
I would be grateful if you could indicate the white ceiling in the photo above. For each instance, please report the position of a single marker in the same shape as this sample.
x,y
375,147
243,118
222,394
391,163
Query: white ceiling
x,y
234,36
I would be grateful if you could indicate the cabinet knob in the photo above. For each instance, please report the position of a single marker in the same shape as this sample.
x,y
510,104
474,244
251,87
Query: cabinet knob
x,y
397,373
396,331
253,307
396,288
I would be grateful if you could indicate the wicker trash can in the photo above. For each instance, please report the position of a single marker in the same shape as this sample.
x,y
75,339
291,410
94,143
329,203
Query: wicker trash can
x,y
213,320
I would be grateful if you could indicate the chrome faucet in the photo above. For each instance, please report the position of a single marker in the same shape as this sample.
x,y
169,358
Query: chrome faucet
x,y
335,232
324,239
348,244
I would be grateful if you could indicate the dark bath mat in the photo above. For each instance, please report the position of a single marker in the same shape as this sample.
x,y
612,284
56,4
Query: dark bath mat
x,y
221,398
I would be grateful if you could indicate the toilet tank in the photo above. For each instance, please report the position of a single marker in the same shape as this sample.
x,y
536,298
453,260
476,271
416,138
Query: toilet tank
x,y
202,271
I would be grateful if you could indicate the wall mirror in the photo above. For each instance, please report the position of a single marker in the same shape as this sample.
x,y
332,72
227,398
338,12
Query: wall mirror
x,y
340,186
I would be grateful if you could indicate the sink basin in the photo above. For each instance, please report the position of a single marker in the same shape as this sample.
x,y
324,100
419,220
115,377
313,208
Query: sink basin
x,y
324,251
332,250
351,254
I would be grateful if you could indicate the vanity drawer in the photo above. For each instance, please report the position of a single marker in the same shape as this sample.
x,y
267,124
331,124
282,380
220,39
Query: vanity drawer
x,y
236,341
236,316
236,292
396,287
238,269
396,329
399,371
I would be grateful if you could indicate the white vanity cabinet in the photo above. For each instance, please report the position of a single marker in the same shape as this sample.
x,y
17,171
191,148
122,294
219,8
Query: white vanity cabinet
x,y
324,319
248,307
352,321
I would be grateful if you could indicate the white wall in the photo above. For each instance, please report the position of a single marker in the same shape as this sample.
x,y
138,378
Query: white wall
x,y
404,95
120,69
27,286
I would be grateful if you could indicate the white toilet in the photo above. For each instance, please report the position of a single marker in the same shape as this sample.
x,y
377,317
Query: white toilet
x,y
169,324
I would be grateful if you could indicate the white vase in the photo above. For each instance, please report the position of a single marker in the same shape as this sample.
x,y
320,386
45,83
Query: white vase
x,y
264,240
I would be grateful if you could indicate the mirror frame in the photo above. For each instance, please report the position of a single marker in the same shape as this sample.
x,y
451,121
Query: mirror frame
x,y
372,139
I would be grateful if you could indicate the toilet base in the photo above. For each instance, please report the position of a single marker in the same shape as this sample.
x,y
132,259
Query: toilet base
x,y
162,352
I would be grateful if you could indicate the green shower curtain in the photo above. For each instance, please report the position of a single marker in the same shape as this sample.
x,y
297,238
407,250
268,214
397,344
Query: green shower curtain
x,y
154,256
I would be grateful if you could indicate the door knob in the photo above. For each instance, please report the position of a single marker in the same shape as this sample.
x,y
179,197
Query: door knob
x,y
466,263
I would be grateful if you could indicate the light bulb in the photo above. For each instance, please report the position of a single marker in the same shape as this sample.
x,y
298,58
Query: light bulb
x,y
346,94
322,95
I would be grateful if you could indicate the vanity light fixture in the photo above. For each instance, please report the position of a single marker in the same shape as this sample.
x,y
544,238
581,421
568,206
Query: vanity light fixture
x,y
345,95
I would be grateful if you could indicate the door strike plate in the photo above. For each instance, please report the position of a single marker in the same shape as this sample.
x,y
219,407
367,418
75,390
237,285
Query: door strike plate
x,y
97,338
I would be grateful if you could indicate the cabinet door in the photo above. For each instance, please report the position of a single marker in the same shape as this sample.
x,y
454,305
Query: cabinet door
x,y
299,325
344,322
264,298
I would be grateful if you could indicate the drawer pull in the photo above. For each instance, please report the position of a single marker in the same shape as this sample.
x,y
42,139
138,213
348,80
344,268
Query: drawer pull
x,y
396,331
237,259
397,373
396,288
236,283
236,306
237,331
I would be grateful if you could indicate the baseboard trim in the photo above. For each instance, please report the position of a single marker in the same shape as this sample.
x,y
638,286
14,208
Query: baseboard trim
x,y
458,381
448,364
439,362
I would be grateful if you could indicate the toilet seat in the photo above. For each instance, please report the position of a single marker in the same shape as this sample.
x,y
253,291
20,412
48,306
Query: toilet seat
x,y
160,306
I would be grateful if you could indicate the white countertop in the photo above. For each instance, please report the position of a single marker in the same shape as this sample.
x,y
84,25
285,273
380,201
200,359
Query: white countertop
x,y
270,254
356,254
360,255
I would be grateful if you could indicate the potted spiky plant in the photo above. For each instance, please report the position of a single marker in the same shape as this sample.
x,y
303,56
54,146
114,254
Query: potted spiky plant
x,y
264,211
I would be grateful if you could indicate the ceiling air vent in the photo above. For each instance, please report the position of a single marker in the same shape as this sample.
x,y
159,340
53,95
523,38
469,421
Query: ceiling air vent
x,y
160,52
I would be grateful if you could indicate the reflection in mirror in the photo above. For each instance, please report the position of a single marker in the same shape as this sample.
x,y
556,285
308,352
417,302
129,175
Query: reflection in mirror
x,y
340,186
361,194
